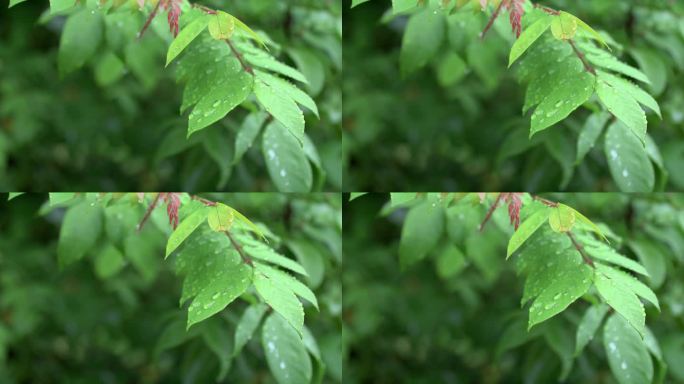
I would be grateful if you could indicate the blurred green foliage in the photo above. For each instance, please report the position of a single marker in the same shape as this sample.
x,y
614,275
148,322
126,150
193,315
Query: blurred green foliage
x,y
115,124
457,123
105,322
461,321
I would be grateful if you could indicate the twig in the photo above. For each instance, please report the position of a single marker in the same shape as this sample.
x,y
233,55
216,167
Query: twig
x,y
149,211
237,54
204,201
246,259
580,249
204,9
548,10
544,201
491,211
493,18
581,56
149,19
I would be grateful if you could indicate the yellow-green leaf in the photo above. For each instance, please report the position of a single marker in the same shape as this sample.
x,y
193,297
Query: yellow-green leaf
x,y
220,217
249,31
564,26
221,25
562,218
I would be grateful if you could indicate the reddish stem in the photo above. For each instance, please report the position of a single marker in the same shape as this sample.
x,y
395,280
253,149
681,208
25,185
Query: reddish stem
x,y
237,54
491,211
149,19
246,259
581,56
580,249
493,18
149,211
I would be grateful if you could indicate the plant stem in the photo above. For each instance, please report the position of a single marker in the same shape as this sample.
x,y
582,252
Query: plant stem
x,y
580,249
246,259
581,56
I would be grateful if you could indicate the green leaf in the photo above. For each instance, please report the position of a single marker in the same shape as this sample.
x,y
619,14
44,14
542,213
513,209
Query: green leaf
x,y
605,60
624,86
590,323
451,69
562,218
282,299
399,6
422,230
450,261
13,195
58,6
12,3
109,69
108,262
422,39
263,252
283,279
282,107
592,33
185,37
248,132
57,198
221,25
285,352
266,61
286,88
527,228
358,2
652,257
227,86
248,324
627,354
215,274
593,227
80,230
80,39
400,198
628,161
564,26
559,339
590,133
629,282
556,103
556,276
356,195
624,107
606,253
285,159
185,229
217,338
528,37
220,217
248,223
249,31
622,300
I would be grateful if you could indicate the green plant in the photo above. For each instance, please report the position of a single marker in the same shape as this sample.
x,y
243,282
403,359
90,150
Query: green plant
x,y
579,84
243,88
237,285
582,295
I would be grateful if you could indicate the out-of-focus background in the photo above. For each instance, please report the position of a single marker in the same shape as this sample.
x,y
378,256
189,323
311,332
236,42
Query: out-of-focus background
x,y
103,322
457,125
99,129
458,319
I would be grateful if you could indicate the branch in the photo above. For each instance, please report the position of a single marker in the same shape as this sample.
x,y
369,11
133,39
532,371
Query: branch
x,y
149,19
237,54
491,211
544,201
580,249
493,18
581,56
246,259
206,10
149,212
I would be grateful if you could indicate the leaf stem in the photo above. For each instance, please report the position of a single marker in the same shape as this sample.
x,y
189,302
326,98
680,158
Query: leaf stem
x,y
583,58
246,259
149,19
491,211
149,211
237,54
580,249
493,18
